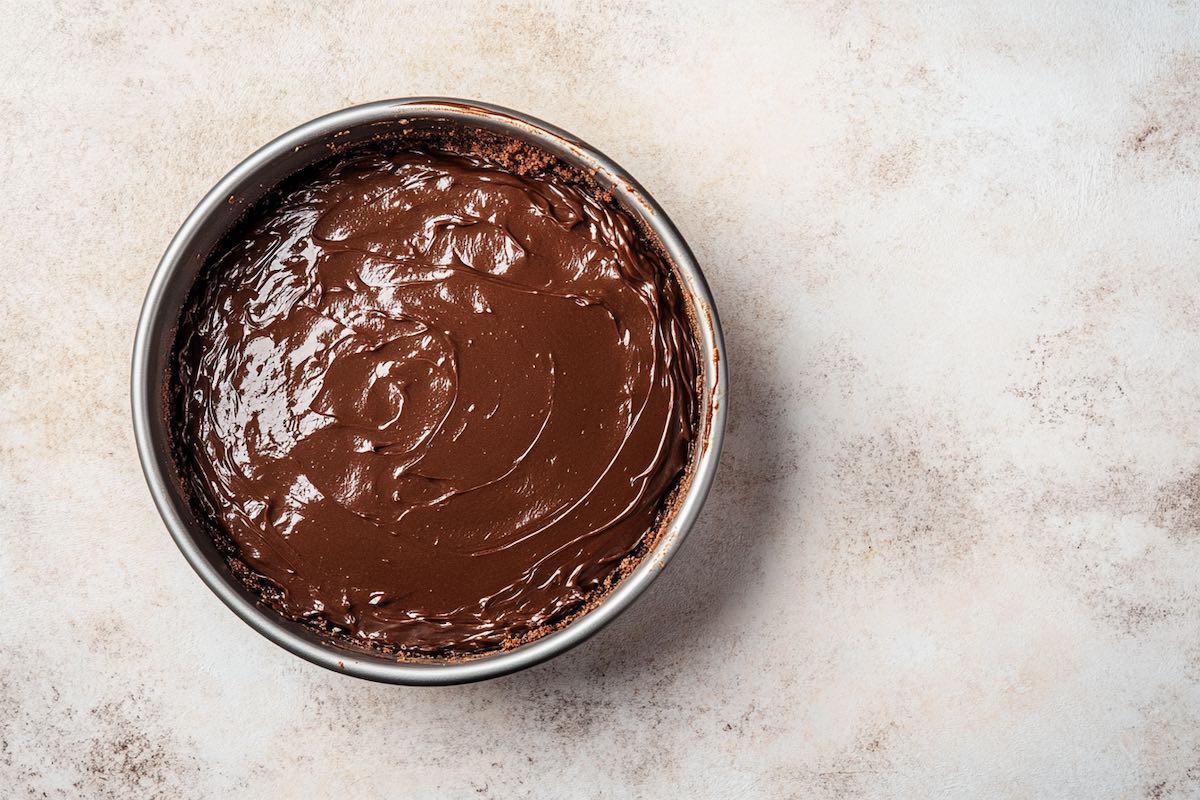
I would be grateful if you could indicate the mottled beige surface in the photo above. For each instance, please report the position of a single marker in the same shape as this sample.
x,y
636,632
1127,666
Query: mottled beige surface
x,y
953,547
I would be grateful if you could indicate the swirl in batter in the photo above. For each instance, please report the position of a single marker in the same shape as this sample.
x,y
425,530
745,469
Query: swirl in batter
x,y
431,405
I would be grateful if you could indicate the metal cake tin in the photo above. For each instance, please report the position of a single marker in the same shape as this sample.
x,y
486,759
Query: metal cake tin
x,y
222,207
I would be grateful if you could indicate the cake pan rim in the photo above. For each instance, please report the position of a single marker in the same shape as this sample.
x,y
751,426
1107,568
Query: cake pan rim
x,y
157,320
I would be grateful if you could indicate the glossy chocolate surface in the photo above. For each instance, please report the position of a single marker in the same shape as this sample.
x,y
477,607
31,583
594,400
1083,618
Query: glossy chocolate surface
x,y
432,404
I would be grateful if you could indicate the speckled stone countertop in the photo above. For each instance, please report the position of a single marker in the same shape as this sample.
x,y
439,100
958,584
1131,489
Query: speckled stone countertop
x,y
952,550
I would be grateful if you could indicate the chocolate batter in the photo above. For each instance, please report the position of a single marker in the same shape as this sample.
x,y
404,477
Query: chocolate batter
x,y
431,405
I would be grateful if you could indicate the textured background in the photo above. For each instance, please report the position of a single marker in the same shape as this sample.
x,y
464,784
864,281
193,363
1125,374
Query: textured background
x,y
953,547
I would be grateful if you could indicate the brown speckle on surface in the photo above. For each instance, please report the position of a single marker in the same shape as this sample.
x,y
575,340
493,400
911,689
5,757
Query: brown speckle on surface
x,y
128,760
1167,139
1177,506
910,493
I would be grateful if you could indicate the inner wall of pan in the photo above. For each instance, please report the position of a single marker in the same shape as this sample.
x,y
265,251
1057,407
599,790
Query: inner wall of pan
x,y
221,212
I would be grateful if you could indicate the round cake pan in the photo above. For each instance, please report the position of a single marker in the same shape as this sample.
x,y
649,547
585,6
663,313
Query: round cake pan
x,y
214,216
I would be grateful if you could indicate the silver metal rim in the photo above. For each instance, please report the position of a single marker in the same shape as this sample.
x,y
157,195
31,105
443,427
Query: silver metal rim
x,y
146,387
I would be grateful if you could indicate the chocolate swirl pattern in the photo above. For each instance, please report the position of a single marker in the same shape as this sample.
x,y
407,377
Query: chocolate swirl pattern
x,y
434,404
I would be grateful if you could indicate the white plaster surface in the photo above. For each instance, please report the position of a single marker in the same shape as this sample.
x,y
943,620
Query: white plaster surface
x,y
953,547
